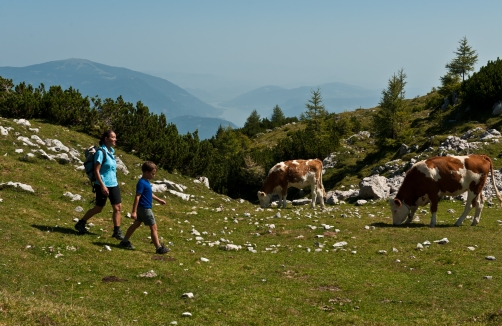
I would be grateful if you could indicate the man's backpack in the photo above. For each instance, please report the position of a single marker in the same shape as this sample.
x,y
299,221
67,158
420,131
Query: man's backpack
x,y
89,162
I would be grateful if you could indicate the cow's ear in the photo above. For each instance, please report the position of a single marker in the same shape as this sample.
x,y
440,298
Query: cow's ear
x,y
397,202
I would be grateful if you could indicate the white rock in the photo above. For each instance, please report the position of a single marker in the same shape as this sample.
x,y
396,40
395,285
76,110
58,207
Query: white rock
x,y
11,184
188,295
420,246
487,277
471,248
107,248
340,244
395,250
383,252
186,314
205,260
149,274
490,258
442,241
72,196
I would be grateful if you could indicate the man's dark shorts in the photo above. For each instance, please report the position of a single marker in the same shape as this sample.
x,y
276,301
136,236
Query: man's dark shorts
x,y
114,195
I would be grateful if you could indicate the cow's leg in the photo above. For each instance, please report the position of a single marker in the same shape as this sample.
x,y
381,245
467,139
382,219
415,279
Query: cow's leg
x,y
320,195
434,209
478,202
283,194
411,214
313,191
467,208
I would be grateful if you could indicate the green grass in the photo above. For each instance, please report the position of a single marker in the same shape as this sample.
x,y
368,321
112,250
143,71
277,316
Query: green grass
x,y
281,284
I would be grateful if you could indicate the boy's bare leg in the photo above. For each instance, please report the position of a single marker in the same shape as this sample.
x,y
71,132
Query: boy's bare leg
x,y
131,230
155,236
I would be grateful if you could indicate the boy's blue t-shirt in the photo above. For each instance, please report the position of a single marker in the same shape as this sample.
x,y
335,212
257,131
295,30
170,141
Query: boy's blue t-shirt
x,y
144,188
108,170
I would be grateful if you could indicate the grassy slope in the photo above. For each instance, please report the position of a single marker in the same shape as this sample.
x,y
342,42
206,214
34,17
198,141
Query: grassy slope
x,y
282,284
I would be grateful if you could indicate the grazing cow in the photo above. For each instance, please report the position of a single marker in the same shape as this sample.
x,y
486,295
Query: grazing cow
x,y
430,179
295,173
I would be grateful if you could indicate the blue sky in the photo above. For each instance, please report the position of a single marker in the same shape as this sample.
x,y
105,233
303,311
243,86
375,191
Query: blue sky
x,y
284,43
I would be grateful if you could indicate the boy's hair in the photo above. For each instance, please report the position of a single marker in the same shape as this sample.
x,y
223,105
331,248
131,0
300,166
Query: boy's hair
x,y
148,166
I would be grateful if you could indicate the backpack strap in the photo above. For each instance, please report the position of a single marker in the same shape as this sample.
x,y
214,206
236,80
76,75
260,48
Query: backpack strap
x,y
104,155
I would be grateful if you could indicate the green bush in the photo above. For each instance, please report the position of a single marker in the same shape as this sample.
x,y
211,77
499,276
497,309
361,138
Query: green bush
x,y
484,88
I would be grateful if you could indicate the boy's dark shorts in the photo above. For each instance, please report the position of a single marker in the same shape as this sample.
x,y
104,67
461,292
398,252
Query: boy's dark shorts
x,y
114,195
145,215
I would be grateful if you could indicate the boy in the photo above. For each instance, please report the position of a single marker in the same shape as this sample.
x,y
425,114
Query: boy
x,y
142,209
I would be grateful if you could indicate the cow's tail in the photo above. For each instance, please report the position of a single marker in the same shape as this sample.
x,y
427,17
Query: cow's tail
x,y
493,183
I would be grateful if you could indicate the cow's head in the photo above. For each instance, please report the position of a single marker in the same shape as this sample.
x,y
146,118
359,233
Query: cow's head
x,y
264,199
399,211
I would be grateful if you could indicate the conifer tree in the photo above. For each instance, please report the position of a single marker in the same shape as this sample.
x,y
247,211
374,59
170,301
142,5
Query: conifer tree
x,y
390,120
465,60
252,124
278,117
316,113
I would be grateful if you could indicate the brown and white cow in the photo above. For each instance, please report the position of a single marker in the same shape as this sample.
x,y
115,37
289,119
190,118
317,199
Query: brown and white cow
x,y
294,173
430,179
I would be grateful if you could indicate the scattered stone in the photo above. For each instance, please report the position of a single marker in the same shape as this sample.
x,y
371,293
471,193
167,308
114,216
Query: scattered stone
x,y
205,260
186,314
490,258
442,241
382,252
11,184
149,274
188,295
420,246
488,277
72,196
340,244
107,248
230,247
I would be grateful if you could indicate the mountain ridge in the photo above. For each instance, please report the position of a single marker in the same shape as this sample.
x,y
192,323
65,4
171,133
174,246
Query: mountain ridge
x,y
96,79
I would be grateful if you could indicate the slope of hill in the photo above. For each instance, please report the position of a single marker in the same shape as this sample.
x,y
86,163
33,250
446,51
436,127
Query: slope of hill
x,y
95,79
230,262
337,97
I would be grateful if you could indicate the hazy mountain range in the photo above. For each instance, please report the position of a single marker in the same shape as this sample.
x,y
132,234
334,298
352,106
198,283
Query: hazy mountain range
x,y
94,79
337,97
204,103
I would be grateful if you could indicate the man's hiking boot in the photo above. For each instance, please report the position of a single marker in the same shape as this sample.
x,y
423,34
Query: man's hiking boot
x,y
117,234
126,244
162,250
80,227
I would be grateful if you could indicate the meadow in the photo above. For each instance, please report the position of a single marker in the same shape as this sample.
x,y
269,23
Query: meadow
x,y
346,265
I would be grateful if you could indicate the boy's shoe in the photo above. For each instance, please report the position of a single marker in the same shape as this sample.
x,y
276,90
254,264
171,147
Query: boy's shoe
x,y
162,250
117,234
126,244
80,227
